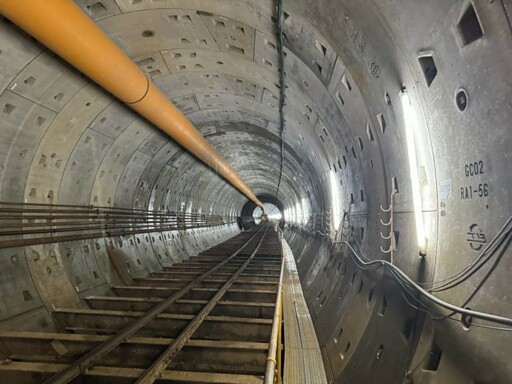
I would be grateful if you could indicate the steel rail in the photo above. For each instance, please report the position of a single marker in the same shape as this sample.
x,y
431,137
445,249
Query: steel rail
x,y
14,203
160,364
5,219
81,365
273,360
96,235
54,221
63,224
50,212
46,223
103,216
111,217
92,211
84,226
82,229
106,226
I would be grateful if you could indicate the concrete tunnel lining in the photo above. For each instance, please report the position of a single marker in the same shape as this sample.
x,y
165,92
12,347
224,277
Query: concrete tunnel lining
x,y
66,141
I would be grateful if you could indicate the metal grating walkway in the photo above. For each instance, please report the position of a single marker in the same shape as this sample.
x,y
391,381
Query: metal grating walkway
x,y
303,360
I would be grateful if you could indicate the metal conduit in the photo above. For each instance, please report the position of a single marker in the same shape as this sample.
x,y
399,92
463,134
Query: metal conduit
x,y
47,223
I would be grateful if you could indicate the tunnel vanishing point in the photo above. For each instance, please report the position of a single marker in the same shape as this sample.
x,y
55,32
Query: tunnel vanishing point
x,y
242,191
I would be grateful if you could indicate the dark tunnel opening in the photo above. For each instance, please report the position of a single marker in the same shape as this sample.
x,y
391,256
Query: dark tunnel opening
x,y
250,212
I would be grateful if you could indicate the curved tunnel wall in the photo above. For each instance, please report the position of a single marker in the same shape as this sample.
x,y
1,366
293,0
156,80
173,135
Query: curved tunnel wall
x,y
65,141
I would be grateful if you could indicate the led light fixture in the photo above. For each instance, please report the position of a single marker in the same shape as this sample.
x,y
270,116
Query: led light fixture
x,y
410,126
336,206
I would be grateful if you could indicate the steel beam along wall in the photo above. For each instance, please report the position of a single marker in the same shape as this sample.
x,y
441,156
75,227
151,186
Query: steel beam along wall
x,y
63,140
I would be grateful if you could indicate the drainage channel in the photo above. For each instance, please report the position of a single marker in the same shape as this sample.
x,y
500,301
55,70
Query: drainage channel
x,y
208,319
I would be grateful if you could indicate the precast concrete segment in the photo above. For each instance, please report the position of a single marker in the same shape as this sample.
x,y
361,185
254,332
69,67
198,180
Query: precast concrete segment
x,y
61,24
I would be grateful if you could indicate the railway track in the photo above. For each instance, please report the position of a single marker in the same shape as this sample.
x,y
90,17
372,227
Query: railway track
x,y
210,319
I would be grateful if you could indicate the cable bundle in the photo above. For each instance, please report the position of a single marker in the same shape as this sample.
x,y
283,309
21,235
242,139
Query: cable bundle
x,y
406,283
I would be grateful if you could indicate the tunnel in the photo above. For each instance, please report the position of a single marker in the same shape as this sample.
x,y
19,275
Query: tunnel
x,y
375,134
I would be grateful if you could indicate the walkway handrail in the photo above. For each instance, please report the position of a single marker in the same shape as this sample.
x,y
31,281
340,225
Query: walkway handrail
x,y
273,369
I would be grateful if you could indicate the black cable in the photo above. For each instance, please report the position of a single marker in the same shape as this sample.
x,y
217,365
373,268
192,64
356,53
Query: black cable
x,y
489,250
403,283
402,276
484,279
489,272
484,261
460,277
280,48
